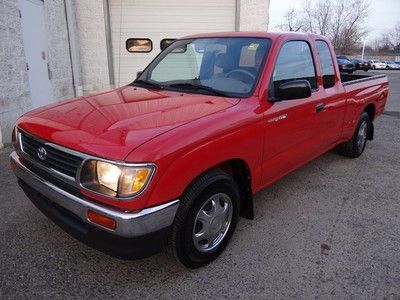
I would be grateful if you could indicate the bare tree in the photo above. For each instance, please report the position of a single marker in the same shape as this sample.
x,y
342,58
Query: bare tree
x,y
318,17
340,20
392,38
293,22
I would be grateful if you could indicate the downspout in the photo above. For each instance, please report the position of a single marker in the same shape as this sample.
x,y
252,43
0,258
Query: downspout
x,y
237,16
110,58
73,48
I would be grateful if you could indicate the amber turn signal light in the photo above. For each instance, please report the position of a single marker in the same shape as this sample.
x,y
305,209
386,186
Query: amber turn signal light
x,y
101,220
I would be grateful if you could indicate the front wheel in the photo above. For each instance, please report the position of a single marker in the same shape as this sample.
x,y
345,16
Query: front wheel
x,y
355,147
206,219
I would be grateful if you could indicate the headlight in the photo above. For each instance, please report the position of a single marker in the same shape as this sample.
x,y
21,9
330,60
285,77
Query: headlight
x,y
115,180
108,175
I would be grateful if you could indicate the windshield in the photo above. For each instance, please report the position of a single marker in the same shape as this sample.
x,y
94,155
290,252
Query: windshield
x,y
220,66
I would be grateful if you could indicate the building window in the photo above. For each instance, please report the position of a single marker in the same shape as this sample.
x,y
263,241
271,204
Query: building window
x,y
139,45
165,43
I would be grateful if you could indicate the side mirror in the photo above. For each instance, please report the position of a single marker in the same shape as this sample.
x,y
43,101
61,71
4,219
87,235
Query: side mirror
x,y
296,89
138,74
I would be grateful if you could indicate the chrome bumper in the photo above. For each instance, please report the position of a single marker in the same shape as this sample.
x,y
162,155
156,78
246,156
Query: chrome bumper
x,y
129,224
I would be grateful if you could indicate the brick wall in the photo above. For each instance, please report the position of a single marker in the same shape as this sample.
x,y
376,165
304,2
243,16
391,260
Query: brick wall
x,y
14,90
91,34
58,49
14,85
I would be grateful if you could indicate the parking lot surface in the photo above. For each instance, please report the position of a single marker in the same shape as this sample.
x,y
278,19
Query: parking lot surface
x,y
329,230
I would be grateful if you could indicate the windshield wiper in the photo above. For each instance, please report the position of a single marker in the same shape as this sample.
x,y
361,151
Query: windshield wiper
x,y
148,83
192,86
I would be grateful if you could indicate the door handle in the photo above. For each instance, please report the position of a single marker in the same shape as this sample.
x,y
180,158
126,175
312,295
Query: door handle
x,y
320,107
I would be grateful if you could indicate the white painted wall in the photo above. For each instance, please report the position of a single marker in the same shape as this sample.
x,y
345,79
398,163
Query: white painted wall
x,y
254,15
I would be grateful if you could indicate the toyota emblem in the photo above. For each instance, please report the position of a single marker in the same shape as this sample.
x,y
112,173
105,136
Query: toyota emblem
x,y
41,153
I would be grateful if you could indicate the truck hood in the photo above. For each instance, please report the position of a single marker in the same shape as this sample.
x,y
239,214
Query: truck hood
x,y
112,124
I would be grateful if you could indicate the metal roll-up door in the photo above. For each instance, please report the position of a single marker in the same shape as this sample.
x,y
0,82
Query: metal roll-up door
x,y
160,19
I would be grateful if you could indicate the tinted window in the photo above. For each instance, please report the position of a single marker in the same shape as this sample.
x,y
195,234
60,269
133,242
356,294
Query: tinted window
x,y
294,62
328,72
343,61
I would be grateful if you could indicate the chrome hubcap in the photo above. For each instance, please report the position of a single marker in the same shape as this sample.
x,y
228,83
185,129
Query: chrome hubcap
x,y
212,222
362,135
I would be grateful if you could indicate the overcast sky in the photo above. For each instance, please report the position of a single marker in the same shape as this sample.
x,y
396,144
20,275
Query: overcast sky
x,y
384,14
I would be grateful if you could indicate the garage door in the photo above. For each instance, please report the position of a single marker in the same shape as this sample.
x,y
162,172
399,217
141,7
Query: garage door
x,y
160,19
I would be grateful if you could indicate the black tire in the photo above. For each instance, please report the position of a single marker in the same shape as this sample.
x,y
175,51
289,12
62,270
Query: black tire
x,y
373,68
355,147
181,241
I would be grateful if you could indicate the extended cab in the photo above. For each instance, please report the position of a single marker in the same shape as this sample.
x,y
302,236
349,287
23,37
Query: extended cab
x,y
175,157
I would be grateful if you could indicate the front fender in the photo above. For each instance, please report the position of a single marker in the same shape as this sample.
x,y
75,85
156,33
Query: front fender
x,y
242,144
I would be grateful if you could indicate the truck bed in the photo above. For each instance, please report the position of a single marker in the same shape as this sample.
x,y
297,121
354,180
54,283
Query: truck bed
x,y
359,88
348,79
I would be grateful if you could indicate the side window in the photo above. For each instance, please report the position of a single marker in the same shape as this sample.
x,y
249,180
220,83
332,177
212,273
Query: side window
x,y
328,72
294,62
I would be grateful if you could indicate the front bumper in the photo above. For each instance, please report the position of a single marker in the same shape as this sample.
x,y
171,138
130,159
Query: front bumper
x,y
138,234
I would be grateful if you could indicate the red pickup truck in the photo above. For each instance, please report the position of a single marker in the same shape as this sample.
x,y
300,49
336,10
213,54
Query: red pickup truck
x,y
174,158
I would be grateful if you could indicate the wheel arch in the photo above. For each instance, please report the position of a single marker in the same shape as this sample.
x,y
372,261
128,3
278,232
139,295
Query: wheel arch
x,y
240,171
370,110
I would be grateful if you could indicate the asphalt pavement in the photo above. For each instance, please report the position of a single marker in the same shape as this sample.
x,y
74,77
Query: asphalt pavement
x,y
329,230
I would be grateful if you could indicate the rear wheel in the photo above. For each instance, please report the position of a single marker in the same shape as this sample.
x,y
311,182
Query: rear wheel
x,y
355,147
206,219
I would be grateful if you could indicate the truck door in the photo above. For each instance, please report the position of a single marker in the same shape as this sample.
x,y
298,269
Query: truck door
x,y
292,131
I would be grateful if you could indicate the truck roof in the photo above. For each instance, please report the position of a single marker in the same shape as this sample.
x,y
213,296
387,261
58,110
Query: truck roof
x,y
258,34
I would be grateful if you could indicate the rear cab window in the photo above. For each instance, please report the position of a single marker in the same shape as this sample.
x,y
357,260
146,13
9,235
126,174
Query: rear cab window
x,y
325,58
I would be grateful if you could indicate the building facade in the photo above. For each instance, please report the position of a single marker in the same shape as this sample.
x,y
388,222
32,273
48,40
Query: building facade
x,y
57,49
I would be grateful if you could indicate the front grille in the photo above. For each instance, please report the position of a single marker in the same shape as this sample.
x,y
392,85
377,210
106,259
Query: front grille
x,y
56,159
